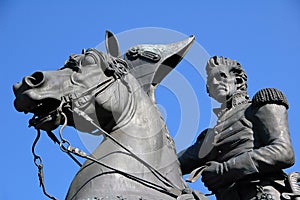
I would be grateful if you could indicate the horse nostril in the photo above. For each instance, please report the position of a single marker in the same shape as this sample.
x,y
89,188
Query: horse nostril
x,y
35,80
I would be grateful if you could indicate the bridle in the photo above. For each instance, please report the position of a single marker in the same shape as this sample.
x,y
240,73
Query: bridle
x,y
114,67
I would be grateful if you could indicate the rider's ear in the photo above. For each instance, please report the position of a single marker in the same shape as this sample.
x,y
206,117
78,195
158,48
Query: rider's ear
x,y
112,45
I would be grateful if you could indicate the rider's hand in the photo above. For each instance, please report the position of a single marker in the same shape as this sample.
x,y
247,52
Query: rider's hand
x,y
218,175
212,175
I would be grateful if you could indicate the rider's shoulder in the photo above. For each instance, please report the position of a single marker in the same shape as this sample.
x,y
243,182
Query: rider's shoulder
x,y
269,96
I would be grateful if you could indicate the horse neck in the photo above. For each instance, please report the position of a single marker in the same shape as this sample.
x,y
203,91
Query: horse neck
x,y
141,129
141,122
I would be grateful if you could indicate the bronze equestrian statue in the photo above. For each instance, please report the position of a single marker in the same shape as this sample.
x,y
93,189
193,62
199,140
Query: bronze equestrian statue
x,y
101,93
242,157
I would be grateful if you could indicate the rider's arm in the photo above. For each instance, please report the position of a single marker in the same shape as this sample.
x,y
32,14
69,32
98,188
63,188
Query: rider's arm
x,y
271,120
188,158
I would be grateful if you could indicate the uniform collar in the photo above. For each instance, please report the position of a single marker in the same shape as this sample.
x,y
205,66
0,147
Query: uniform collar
x,y
235,100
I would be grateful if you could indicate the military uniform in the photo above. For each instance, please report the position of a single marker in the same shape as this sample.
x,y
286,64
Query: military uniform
x,y
251,146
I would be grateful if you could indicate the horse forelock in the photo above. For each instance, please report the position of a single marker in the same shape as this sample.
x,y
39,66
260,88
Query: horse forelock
x,y
112,66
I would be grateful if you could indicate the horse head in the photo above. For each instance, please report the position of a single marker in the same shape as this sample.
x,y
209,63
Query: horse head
x,y
118,95
85,82
82,78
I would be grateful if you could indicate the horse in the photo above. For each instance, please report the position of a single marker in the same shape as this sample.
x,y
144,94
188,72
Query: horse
x,y
103,93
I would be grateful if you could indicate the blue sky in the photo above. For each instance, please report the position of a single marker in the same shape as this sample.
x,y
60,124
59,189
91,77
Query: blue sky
x,y
40,35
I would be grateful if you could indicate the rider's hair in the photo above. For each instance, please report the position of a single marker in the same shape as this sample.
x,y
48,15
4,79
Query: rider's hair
x,y
234,67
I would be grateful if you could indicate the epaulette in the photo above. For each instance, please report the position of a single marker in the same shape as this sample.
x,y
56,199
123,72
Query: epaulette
x,y
269,96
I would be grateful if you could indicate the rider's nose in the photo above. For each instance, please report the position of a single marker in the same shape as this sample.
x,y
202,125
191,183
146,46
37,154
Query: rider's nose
x,y
35,80
214,81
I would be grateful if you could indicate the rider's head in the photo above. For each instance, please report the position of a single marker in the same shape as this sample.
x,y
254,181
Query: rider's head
x,y
225,77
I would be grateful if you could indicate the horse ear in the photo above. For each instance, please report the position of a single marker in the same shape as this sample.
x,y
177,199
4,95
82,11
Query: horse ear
x,y
112,45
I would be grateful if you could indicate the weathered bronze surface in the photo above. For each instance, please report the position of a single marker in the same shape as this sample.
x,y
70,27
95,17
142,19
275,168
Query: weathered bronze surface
x,y
101,93
243,155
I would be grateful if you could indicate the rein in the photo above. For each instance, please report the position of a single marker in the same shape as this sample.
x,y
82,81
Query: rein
x,y
65,102
66,147
172,190
39,164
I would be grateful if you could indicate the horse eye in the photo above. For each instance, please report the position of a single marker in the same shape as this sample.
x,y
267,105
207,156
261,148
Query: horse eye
x,y
88,60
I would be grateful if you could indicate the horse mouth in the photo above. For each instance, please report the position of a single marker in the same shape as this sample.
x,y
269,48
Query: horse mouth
x,y
45,114
44,107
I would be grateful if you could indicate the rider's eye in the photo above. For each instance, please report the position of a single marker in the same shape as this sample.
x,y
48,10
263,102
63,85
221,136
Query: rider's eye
x,y
88,60
223,75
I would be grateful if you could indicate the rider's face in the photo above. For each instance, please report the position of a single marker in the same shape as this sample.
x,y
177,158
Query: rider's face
x,y
221,84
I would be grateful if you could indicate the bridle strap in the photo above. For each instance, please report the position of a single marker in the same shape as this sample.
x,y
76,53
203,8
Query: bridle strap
x,y
116,65
80,100
96,88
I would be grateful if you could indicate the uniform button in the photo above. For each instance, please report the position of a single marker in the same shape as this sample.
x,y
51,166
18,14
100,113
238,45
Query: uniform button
x,y
219,151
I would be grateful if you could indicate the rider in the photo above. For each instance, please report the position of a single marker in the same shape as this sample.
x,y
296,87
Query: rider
x,y
250,144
